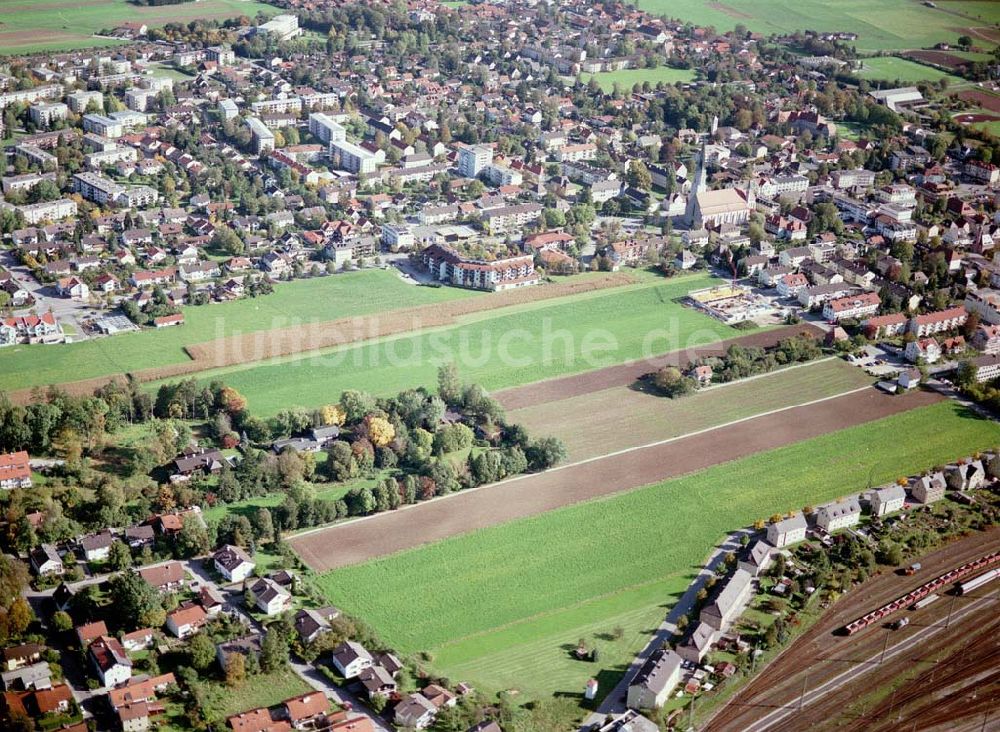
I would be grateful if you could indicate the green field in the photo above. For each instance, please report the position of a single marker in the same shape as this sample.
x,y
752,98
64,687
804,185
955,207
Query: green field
x,y
888,24
627,78
302,301
27,26
890,68
516,346
499,606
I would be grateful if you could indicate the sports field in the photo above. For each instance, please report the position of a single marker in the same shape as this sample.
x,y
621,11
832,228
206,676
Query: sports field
x,y
890,68
51,25
622,417
502,607
499,349
885,25
301,301
627,78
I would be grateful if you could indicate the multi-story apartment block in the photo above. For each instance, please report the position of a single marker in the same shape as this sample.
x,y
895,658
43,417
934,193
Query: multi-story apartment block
x,y
473,160
261,137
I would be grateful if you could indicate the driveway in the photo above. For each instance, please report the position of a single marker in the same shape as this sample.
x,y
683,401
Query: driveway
x,y
307,672
68,312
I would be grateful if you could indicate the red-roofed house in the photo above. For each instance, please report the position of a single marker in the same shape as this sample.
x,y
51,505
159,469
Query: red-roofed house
x,y
15,470
304,711
186,621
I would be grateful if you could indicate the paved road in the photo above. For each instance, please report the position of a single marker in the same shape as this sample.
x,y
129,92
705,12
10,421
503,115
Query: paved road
x,y
68,312
312,676
306,671
614,702
77,675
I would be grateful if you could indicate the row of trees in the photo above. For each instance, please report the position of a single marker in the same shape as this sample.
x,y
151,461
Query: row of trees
x,y
738,362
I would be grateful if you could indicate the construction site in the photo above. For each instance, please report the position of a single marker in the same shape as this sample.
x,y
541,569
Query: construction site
x,y
906,650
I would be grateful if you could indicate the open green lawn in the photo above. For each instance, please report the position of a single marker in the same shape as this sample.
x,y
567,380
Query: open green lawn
x,y
260,690
888,24
301,301
27,26
627,78
612,419
890,68
324,492
499,606
515,346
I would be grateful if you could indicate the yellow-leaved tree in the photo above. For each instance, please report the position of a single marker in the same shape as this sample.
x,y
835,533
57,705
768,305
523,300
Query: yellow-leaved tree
x,y
380,430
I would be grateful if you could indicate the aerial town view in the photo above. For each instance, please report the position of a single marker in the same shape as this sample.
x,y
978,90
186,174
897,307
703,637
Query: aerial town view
x,y
499,365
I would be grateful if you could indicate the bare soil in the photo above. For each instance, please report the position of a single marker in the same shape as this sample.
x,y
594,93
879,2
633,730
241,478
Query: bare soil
x,y
550,390
981,98
391,532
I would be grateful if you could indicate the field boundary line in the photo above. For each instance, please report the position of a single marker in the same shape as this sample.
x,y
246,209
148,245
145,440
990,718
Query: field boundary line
x,y
586,461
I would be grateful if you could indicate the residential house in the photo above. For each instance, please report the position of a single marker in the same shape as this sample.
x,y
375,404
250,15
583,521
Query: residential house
x,y
929,488
926,349
655,681
307,710
186,621
835,516
164,577
21,656
15,470
45,560
91,631
416,711
697,645
966,476
310,623
110,660
138,640
134,717
729,601
37,675
97,547
270,597
351,658
233,563
887,500
378,682
757,559
787,531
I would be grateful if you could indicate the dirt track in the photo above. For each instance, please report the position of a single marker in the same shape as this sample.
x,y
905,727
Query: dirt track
x,y
395,531
588,382
819,656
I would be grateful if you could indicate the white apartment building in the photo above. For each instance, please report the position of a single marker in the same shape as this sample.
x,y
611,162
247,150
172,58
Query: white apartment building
x,y
281,105
282,26
263,138
44,114
79,101
326,129
104,126
473,160
354,158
